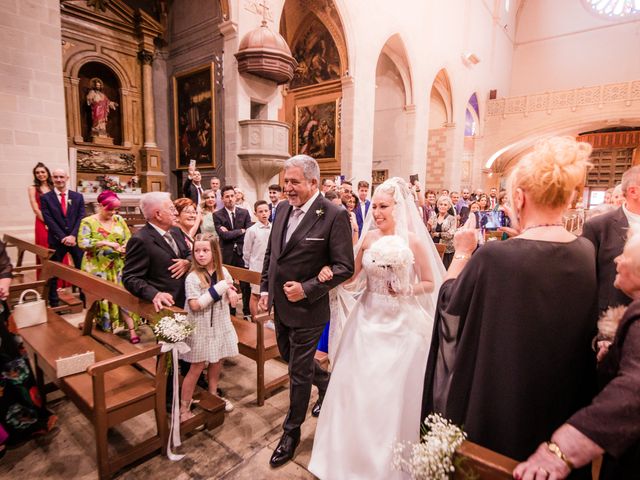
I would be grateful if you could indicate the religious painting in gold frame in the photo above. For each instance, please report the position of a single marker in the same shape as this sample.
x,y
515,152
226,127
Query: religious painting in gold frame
x,y
194,117
317,129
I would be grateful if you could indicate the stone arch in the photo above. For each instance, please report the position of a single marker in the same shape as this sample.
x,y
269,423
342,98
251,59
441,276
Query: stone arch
x,y
440,144
77,61
395,49
442,93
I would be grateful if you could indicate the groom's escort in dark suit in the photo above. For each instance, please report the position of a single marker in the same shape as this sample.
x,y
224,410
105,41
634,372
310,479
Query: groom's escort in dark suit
x,y
322,237
62,221
146,267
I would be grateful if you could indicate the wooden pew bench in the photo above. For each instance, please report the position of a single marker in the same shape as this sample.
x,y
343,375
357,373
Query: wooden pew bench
x,y
125,381
258,342
26,277
30,276
485,463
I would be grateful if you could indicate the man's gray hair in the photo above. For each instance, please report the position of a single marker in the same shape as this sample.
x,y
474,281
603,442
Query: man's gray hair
x,y
150,201
308,165
630,178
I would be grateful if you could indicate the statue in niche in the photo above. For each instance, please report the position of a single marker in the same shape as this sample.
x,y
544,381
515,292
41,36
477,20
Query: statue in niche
x,y
100,106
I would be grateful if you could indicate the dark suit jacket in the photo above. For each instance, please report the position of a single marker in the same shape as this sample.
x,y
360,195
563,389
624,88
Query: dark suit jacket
x,y
190,191
234,235
359,217
61,226
323,237
146,265
608,233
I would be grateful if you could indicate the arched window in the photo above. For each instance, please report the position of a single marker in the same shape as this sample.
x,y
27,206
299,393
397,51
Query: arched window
x,y
614,8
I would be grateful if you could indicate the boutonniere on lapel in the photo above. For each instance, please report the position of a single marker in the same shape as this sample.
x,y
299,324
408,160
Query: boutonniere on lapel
x,y
320,212
69,202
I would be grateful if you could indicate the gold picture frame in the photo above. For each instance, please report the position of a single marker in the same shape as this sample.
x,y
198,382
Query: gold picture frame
x,y
194,117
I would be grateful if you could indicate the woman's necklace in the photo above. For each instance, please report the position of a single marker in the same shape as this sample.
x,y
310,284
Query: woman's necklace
x,y
540,225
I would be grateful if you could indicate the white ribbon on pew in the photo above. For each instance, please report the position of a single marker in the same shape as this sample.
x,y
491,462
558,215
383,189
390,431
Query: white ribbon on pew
x,y
174,432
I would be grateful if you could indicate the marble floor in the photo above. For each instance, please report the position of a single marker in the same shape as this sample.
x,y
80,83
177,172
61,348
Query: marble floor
x,y
239,449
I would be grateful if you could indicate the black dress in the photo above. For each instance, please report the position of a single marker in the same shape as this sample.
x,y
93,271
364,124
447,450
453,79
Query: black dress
x,y
613,419
510,357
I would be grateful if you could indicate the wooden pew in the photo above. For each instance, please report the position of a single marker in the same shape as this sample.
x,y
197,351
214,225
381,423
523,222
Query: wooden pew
x,y
135,220
258,342
26,277
125,381
485,463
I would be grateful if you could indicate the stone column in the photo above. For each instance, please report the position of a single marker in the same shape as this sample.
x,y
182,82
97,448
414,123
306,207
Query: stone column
x,y
146,58
151,177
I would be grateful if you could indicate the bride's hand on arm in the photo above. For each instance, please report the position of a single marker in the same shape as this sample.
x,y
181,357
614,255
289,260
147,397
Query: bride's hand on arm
x,y
325,274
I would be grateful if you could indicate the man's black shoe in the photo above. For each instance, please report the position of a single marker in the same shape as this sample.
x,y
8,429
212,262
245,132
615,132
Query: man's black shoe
x,y
315,411
284,451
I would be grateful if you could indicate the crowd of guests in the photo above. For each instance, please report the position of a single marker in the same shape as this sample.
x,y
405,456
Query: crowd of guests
x,y
517,370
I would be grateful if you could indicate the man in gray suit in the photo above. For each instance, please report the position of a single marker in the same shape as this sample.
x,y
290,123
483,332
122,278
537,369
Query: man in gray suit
x,y
309,232
608,233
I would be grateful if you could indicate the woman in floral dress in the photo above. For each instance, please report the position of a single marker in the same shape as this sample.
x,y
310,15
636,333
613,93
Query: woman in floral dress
x,y
103,237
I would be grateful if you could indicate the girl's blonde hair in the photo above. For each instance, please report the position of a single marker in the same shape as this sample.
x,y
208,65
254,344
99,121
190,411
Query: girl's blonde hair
x,y
552,172
201,270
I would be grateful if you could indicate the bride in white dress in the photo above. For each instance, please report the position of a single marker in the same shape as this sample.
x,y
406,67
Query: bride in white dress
x,y
375,393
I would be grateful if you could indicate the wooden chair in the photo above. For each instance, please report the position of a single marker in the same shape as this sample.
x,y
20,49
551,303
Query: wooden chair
x,y
492,236
125,381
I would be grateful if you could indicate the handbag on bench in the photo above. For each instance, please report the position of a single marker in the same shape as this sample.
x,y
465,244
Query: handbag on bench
x,y
29,313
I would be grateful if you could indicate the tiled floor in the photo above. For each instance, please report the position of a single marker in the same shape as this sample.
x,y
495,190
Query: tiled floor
x,y
239,449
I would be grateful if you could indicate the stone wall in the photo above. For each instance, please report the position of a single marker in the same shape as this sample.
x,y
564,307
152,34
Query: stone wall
x,y
32,113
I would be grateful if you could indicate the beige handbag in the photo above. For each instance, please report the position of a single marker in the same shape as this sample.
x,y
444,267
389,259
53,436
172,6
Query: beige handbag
x,y
29,313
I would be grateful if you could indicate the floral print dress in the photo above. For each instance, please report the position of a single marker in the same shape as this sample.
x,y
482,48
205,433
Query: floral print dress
x,y
104,262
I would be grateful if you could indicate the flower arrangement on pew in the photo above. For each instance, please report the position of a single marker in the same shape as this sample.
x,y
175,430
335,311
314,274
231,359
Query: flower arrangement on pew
x,y
433,457
171,332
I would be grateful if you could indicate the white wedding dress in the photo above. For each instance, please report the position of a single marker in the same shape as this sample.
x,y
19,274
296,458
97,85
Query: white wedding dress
x,y
374,397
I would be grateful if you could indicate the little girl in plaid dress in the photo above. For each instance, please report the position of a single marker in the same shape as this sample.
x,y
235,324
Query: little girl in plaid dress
x,y
207,305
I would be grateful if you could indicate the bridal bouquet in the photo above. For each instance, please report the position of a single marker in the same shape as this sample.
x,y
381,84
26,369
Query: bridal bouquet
x,y
432,457
391,251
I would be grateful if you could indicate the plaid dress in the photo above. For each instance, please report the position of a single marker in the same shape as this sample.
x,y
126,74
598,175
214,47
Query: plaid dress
x,y
214,337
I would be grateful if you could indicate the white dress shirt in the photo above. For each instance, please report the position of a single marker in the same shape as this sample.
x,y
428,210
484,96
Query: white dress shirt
x,y
256,239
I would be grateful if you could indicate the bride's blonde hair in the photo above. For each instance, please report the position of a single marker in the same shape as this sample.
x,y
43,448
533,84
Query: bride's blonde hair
x,y
552,171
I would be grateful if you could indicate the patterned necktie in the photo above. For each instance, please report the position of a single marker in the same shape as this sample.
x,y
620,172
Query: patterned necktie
x,y
172,243
63,203
293,222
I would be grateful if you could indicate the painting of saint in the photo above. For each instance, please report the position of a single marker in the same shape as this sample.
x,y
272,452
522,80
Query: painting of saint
x,y
194,106
316,130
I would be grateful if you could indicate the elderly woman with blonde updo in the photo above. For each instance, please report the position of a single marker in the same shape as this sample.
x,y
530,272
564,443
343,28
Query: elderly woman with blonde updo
x,y
511,354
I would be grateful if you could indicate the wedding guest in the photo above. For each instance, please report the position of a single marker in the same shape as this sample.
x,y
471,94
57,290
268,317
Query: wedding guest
x,y
255,246
443,226
607,232
192,188
207,306
473,222
611,423
188,219
208,207
327,185
429,207
62,210
350,202
363,204
22,413
511,368
103,237
215,188
275,197
42,184
240,200
493,198
617,197
231,224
